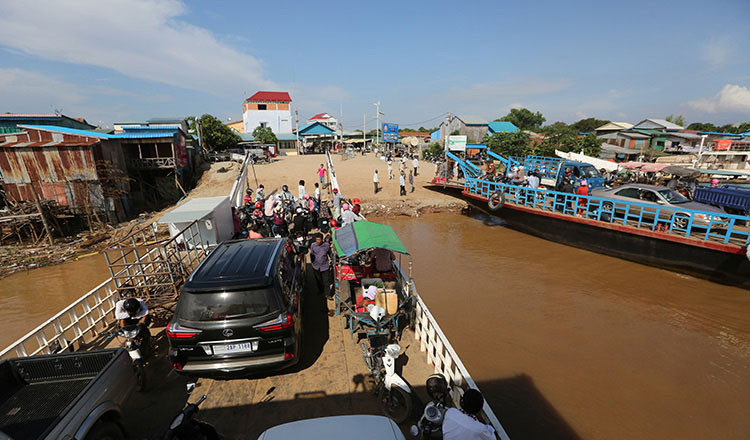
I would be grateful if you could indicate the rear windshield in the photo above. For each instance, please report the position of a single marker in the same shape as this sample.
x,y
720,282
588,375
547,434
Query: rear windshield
x,y
227,305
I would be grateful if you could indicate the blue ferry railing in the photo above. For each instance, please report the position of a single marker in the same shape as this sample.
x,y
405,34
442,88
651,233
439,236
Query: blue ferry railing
x,y
545,166
702,225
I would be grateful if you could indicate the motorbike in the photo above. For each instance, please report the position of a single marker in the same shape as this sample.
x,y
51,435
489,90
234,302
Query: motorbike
x,y
185,427
430,425
392,391
138,347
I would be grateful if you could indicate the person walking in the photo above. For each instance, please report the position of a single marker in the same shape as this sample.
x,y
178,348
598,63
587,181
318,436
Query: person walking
x,y
415,164
375,181
402,182
390,169
336,203
301,192
411,182
322,175
320,254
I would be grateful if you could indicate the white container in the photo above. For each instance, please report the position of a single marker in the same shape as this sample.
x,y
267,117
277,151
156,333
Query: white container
x,y
214,216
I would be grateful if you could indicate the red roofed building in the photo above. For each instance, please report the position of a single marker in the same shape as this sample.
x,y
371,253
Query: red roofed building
x,y
267,109
325,119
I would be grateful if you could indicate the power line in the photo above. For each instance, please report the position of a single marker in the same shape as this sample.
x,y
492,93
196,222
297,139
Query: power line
x,y
428,120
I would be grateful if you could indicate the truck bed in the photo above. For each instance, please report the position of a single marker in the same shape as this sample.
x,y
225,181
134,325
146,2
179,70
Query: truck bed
x,y
36,392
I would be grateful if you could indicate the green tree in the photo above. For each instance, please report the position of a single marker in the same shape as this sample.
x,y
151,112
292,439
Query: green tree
x,y
509,144
217,136
588,125
432,152
679,120
702,126
524,119
589,144
264,135
559,136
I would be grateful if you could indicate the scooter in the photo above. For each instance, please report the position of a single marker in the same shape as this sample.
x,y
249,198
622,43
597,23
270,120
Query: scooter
x,y
393,392
185,427
137,349
430,425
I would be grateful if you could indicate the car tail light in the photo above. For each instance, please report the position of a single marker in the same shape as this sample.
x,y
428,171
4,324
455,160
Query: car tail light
x,y
288,356
285,320
176,331
177,366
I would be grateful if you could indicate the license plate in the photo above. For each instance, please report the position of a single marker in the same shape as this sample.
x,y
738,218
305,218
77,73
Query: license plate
x,y
242,347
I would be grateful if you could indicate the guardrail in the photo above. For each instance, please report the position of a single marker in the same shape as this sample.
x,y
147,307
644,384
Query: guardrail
x,y
237,194
143,275
441,355
701,225
546,166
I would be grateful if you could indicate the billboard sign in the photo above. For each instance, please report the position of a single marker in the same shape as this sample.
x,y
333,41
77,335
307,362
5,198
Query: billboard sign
x,y
456,143
390,132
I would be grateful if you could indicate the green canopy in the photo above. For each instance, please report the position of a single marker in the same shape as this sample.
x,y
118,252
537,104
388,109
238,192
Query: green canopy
x,y
362,235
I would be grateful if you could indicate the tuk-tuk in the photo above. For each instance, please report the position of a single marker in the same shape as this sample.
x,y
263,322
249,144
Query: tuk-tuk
x,y
365,255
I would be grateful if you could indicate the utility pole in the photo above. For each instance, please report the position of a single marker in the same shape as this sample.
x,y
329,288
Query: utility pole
x,y
364,130
377,119
296,131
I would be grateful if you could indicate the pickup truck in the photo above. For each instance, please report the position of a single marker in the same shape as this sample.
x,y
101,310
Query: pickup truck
x,y
552,169
71,396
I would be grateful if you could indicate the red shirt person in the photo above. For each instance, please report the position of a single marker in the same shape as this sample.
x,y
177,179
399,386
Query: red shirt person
x,y
582,190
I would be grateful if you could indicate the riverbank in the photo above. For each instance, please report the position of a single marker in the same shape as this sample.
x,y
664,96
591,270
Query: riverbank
x,y
355,177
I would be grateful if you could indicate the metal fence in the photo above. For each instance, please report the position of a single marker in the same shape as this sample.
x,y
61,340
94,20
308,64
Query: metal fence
x,y
237,195
139,270
700,225
441,355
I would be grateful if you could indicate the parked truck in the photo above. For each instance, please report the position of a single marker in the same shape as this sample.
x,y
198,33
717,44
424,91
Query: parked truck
x,y
71,396
552,169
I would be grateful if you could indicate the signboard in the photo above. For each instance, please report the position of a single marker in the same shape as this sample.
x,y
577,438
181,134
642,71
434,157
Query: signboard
x,y
390,132
456,143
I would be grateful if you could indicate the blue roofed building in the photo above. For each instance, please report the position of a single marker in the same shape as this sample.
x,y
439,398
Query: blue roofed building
x,y
9,122
501,127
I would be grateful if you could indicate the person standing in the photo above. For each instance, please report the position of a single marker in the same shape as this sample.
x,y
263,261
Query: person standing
x,y
582,190
402,182
301,191
322,175
336,203
533,180
415,164
320,255
317,195
411,182
375,181
390,169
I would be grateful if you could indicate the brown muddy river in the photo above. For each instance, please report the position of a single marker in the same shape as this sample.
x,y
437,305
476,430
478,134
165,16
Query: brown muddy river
x,y
564,343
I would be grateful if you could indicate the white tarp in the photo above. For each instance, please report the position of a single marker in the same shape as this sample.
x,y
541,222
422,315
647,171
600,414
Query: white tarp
x,y
596,162
332,172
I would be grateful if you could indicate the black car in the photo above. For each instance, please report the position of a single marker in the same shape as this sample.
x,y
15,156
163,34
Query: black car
x,y
240,311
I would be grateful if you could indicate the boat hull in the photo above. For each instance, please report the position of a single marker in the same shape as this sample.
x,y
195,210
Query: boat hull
x,y
726,264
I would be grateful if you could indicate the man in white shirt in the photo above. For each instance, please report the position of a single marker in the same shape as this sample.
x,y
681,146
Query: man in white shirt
x,y
533,180
375,181
347,216
415,164
301,191
463,424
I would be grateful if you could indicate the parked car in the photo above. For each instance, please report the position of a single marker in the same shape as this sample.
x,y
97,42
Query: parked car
x,y
65,396
657,196
240,311
366,427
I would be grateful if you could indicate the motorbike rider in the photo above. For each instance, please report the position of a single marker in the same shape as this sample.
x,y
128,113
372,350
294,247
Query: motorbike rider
x,y
464,424
279,224
258,213
133,311
259,195
299,222
285,195
248,196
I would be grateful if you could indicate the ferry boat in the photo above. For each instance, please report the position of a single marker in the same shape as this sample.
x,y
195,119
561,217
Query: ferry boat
x,y
332,377
704,243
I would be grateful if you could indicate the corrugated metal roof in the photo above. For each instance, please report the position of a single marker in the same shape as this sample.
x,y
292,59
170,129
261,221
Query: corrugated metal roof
x,y
659,122
472,120
270,97
315,128
615,126
145,135
30,115
286,136
148,127
502,127
75,131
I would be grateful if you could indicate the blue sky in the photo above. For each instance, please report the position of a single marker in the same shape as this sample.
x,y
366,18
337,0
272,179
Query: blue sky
x,y
128,60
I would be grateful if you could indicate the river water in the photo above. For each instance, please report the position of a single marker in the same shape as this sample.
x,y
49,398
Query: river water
x,y
564,343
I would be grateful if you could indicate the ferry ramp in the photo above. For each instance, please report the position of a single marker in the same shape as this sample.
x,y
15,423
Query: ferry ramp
x,y
330,379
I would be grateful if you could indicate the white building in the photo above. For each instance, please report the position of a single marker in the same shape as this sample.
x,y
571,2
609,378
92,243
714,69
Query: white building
x,y
267,109
327,120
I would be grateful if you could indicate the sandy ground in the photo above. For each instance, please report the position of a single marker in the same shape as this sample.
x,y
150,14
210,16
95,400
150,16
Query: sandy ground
x,y
355,179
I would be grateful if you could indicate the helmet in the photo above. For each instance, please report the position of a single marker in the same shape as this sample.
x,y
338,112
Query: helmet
x,y
334,223
284,188
345,206
336,190
299,210
249,191
714,181
131,306
472,401
583,182
258,205
355,201
307,196
436,386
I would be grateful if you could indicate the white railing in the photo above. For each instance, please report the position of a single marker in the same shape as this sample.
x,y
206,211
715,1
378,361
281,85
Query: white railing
x,y
443,357
74,326
237,195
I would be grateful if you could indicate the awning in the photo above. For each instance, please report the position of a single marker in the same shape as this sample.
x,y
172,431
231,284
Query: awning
x,y
363,235
644,167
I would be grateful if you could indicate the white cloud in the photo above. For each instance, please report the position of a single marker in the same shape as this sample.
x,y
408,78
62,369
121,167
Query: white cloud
x,y
716,52
731,98
508,90
138,38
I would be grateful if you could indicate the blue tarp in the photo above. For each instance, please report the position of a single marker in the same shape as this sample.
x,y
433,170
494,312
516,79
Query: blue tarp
x,y
502,127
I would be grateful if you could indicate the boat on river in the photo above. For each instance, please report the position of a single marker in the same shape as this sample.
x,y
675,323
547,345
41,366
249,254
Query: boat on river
x,y
707,244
